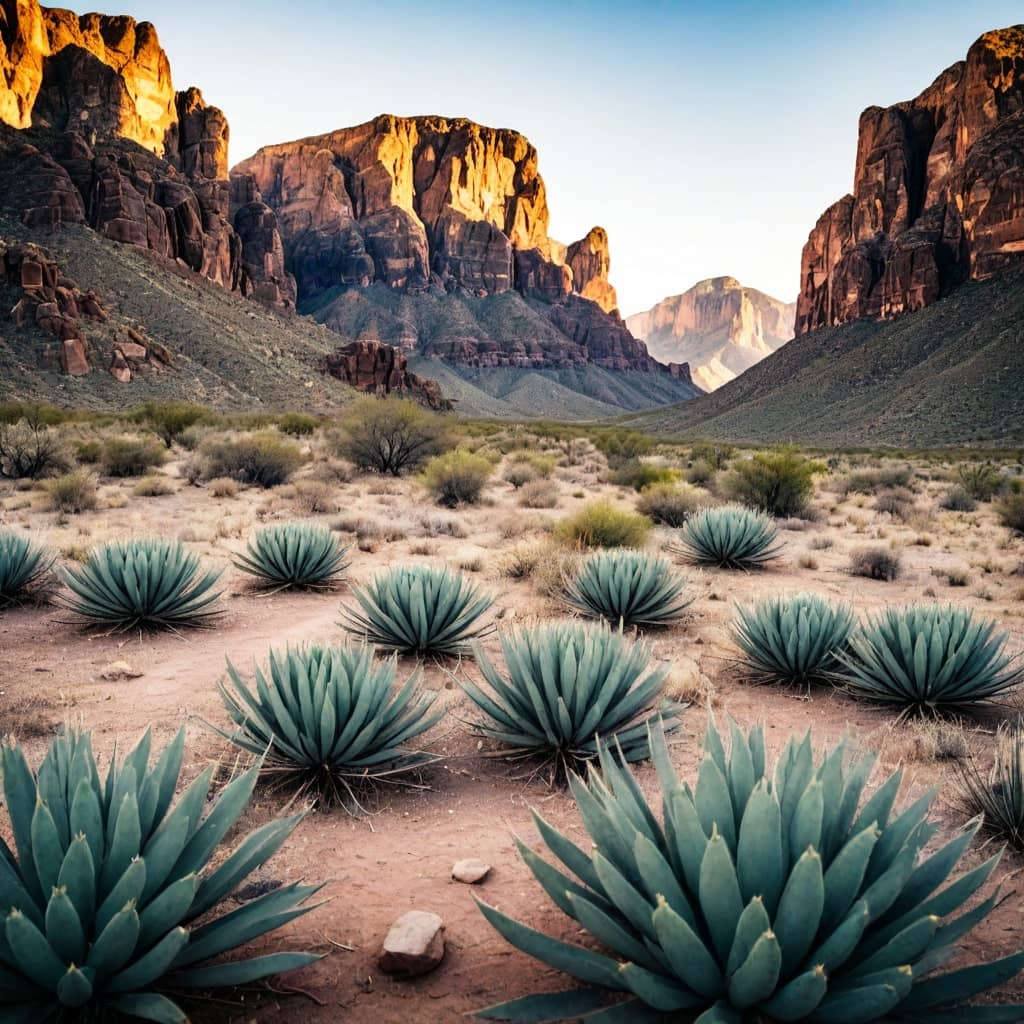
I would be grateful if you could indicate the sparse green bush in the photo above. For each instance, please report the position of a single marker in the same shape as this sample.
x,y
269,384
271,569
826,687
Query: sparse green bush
x,y
638,475
1011,512
956,499
106,883
265,459
390,435
30,449
713,453
867,481
779,482
297,424
23,566
876,564
763,892
169,420
519,473
541,464
928,659
153,487
600,524
671,504
72,493
131,456
330,718
620,445
981,480
457,477
701,473
89,452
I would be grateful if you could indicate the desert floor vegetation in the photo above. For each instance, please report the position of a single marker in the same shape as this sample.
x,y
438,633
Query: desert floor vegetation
x,y
384,834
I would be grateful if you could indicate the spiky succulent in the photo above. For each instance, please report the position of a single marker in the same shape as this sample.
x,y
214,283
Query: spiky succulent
x,y
997,794
566,685
792,640
104,890
730,537
23,566
759,895
142,584
330,716
294,555
630,588
928,659
419,609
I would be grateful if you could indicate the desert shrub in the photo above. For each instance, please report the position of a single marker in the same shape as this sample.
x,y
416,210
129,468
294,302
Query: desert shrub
x,y
297,424
638,475
294,556
521,562
997,795
774,892
1011,512
131,456
390,435
628,588
30,449
794,640
419,609
89,452
112,888
222,487
265,459
314,497
981,480
23,567
876,564
620,445
894,502
713,453
72,493
541,464
330,719
153,487
142,584
519,473
457,477
867,481
539,494
930,658
566,685
779,482
670,504
169,420
600,524
730,537
701,473
956,499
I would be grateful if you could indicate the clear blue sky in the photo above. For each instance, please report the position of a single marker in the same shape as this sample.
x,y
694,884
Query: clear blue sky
x,y
706,137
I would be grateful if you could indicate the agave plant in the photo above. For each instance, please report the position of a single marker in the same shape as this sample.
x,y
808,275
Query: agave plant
x,y
294,555
22,566
567,685
628,588
792,640
997,795
730,537
419,609
331,716
929,659
142,584
107,882
759,895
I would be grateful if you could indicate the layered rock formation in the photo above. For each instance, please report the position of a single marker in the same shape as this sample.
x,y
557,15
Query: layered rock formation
x,y
103,139
938,194
718,326
380,369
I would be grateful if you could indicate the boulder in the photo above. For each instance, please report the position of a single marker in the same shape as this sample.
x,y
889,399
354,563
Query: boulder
x,y
470,870
74,358
380,369
414,945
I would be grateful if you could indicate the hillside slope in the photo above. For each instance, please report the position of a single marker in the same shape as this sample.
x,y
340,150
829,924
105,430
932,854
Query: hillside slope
x,y
227,352
949,374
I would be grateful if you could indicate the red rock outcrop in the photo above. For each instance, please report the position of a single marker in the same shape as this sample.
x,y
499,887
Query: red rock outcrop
x,y
82,90
590,261
718,326
380,369
938,194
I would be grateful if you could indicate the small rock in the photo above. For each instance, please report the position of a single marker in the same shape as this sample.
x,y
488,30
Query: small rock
x,y
414,945
470,871
120,670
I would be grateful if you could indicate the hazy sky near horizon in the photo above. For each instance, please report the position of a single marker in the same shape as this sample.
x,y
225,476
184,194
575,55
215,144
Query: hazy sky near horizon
x,y
706,137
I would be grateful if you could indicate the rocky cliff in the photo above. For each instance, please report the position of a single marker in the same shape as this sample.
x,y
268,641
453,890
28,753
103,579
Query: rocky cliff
x,y
98,135
938,195
405,229
718,326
